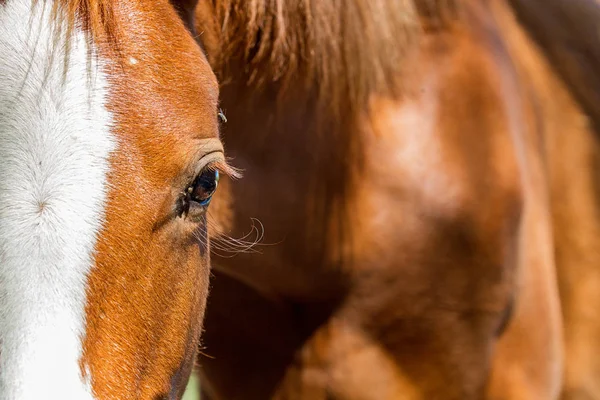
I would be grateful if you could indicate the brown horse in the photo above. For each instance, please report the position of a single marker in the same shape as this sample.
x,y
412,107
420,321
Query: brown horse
x,y
108,156
417,166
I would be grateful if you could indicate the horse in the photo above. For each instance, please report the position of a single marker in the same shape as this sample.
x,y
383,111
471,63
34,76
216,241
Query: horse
x,y
109,157
426,174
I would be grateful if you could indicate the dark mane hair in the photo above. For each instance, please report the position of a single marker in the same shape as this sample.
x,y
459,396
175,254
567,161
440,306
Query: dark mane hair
x,y
344,49
567,32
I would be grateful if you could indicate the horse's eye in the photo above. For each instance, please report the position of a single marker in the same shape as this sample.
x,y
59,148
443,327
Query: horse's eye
x,y
203,187
196,196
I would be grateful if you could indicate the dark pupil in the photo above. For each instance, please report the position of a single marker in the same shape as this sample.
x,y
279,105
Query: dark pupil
x,y
204,185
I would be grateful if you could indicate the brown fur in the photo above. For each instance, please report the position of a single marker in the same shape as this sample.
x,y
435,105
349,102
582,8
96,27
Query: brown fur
x,y
559,55
406,233
147,293
371,326
567,32
293,48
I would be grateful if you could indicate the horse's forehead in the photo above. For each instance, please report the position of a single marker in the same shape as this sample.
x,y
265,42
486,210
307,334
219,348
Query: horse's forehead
x,y
163,93
160,71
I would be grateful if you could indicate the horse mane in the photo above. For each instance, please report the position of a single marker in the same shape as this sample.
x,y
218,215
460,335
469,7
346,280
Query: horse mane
x,y
344,50
95,17
567,32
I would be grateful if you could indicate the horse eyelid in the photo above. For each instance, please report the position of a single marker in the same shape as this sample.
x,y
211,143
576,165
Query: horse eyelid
x,y
214,160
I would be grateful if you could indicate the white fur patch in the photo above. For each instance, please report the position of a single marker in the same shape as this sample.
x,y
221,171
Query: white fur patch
x,y
54,147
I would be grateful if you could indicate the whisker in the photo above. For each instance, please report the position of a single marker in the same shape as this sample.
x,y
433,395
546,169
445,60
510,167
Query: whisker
x,y
247,244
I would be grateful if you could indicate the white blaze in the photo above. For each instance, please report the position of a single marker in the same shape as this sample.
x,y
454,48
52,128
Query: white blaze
x,y
54,148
